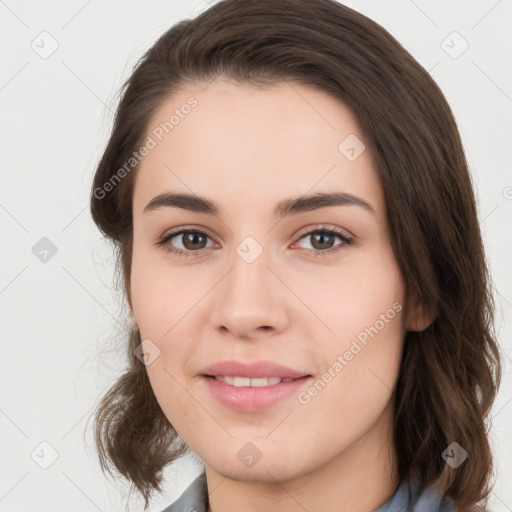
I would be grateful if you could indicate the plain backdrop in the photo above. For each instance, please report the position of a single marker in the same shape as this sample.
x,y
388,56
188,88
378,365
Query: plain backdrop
x,y
62,321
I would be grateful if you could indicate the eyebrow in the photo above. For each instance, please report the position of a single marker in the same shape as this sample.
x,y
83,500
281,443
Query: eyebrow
x,y
285,208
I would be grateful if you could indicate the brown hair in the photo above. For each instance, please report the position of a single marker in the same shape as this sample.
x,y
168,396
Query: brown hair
x,y
451,371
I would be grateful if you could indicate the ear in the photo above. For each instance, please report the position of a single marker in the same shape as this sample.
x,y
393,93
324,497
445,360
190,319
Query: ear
x,y
419,318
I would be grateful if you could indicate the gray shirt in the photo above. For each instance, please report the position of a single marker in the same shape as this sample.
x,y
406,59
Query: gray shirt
x,y
195,499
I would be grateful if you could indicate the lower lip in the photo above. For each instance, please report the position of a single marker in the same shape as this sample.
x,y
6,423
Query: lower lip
x,y
249,398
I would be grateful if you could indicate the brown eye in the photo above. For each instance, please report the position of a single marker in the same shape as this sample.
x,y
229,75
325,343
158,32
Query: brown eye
x,y
323,240
192,241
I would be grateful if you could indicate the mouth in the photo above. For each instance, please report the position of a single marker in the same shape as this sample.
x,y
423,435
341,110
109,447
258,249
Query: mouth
x,y
246,382
253,394
254,386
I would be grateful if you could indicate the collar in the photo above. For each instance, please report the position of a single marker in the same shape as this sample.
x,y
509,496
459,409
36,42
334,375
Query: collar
x,y
195,498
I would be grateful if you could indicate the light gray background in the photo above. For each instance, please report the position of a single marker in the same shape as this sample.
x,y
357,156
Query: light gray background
x,y
62,322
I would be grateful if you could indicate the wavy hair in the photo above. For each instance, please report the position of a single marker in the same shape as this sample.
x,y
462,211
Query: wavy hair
x,y
450,372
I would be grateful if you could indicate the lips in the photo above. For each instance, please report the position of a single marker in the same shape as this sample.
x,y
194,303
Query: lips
x,y
251,398
256,370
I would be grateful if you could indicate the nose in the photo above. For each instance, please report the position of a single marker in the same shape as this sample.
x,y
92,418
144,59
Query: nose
x,y
250,301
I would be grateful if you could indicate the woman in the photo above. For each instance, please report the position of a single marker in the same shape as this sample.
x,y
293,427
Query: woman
x,y
297,233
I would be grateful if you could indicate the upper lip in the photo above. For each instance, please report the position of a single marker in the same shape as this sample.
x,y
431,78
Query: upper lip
x,y
254,370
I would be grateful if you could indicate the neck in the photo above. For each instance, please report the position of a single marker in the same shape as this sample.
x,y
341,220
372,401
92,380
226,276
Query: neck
x,y
359,479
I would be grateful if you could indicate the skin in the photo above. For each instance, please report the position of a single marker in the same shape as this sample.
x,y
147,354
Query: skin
x,y
248,148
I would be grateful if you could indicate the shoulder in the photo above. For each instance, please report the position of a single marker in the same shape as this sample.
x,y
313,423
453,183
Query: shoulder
x,y
410,498
194,498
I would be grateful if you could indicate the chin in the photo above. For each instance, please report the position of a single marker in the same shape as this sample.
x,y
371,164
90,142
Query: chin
x,y
267,469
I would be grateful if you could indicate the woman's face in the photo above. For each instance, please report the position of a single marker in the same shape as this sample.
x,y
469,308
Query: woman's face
x,y
258,280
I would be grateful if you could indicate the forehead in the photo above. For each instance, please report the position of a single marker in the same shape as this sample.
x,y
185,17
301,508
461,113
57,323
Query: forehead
x,y
245,144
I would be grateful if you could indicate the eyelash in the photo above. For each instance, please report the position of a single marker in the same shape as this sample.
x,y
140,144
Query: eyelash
x,y
346,240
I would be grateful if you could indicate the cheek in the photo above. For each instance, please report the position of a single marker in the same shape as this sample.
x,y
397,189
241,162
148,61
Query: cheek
x,y
160,311
163,300
362,304
362,292
155,292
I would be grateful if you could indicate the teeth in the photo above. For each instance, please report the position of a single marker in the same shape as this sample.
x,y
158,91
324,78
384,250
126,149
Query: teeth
x,y
253,383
